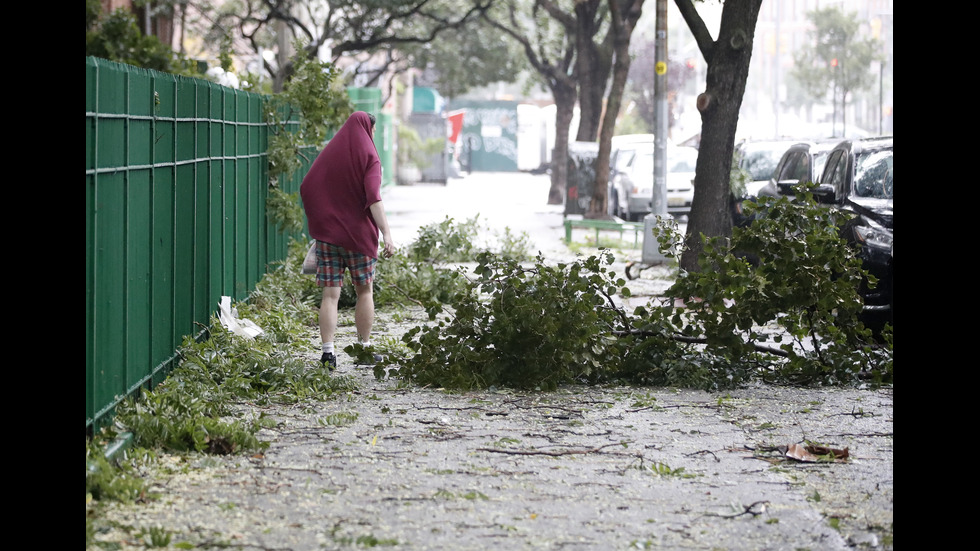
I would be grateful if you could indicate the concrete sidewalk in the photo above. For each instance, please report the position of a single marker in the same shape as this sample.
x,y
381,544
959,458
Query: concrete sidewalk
x,y
580,468
591,468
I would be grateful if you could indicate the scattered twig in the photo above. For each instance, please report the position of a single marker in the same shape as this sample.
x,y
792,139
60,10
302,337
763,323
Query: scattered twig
x,y
552,454
754,509
702,452
857,414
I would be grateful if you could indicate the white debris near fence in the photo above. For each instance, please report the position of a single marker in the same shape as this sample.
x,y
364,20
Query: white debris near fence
x,y
229,318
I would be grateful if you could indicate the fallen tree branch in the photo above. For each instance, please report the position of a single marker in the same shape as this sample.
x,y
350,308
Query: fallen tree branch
x,y
698,340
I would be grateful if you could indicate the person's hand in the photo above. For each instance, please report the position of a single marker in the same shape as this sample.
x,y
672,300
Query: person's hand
x,y
389,249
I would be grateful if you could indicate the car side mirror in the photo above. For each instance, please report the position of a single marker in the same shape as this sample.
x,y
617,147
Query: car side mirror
x,y
785,187
825,193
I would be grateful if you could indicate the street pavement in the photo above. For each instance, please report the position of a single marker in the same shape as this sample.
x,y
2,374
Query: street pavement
x,y
582,468
515,200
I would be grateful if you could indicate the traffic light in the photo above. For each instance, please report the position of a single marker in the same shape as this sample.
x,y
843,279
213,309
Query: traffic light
x,y
833,62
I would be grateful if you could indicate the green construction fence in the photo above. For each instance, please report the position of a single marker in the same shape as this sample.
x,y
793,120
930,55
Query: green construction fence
x,y
176,181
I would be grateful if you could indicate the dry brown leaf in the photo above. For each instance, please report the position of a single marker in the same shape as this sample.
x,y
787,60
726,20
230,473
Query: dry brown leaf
x,y
815,453
799,453
823,450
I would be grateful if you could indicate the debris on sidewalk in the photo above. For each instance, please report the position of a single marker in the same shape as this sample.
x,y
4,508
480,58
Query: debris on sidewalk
x,y
229,318
812,453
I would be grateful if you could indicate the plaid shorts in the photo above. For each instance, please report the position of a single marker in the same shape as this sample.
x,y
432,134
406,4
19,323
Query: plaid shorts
x,y
332,260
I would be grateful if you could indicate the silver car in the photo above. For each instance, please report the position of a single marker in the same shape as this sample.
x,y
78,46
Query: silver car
x,y
631,181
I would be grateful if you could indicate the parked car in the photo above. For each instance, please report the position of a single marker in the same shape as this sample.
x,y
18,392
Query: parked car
x,y
857,178
758,158
681,162
802,162
631,180
624,148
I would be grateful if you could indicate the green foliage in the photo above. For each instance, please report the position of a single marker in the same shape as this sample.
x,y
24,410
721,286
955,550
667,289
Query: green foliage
x,y
663,470
446,241
312,105
452,241
521,327
422,274
284,210
789,270
195,408
835,37
777,302
318,95
738,176
413,150
107,480
116,37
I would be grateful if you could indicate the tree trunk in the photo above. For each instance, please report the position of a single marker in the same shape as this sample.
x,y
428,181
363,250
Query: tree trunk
x,y
564,108
728,68
592,66
623,16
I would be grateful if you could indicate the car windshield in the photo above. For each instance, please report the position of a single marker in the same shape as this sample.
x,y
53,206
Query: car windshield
x,y
682,159
873,175
642,165
761,163
623,159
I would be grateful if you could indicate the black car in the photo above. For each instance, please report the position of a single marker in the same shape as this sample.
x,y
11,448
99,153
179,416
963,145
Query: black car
x,y
802,162
857,178
758,160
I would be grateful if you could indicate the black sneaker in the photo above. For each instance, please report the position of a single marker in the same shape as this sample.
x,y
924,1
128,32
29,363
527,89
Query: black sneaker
x,y
329,361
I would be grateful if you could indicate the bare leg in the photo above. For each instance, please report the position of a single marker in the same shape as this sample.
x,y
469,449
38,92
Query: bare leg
x,y
328,313
364,311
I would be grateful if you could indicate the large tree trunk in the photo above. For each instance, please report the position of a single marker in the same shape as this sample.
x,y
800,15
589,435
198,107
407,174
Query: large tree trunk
x,y
564,109
592,66
623,16
728,68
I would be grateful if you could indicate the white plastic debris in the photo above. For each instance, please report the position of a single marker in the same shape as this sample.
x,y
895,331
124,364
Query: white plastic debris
x,y
229,318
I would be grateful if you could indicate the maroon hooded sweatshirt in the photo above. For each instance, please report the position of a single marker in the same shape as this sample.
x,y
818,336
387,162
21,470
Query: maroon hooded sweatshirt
x,y
342,184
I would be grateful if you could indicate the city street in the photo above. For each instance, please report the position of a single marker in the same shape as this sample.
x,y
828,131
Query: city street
x,y
517,200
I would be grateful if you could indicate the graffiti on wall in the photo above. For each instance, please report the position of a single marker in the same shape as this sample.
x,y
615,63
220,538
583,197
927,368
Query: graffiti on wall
x,y
490,135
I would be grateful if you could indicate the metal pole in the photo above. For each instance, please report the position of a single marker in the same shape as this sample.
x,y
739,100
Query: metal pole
x,y
658,206
776,68
881,92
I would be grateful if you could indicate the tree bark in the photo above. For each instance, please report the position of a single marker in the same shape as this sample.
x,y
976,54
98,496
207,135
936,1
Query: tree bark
x,y
564,95
592,66
623,15
728,68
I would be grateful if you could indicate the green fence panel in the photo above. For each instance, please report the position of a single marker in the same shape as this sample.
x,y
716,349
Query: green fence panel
x,y
369,100
176,181
384,139
162,287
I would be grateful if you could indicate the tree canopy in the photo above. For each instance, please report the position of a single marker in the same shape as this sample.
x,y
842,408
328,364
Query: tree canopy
x,y
835,61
